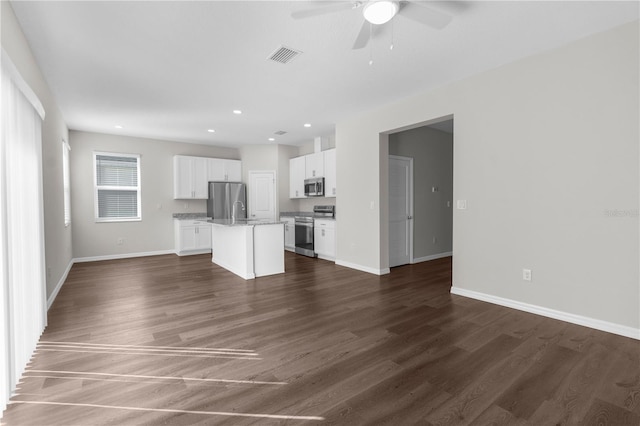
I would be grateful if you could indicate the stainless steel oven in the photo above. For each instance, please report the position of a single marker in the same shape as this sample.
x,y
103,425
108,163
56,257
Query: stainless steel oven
x,y
304,235
304,229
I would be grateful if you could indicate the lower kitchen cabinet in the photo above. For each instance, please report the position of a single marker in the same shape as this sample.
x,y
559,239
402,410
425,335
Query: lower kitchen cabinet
x,y
191,237
289,233
324,237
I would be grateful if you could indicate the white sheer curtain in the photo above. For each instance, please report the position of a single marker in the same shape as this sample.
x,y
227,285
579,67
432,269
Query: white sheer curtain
x,y
22,295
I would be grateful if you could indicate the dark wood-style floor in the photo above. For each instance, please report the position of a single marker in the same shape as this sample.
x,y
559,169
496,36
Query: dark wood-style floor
x,y
177,340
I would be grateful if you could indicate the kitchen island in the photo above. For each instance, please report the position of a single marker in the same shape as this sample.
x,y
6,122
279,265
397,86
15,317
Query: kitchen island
x,y
248,248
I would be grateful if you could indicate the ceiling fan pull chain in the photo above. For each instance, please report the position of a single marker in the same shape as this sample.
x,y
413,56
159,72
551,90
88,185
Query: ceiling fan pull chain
x,y
370,44
391,45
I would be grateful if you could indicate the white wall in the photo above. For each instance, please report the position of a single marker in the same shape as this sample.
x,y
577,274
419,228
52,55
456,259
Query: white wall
x,y
544,150
432,153
58,252
155,232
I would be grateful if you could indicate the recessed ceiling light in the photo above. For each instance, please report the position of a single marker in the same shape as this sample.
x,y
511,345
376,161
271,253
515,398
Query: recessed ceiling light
x,y
237,111
307,125
211,131
117,126
271,139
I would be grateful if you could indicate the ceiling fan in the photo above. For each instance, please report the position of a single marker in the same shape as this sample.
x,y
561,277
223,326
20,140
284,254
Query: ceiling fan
x,y
378,12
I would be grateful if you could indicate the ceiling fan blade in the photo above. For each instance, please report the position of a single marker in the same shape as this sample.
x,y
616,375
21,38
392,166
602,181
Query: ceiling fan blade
x,y
310,13
363,35
420,12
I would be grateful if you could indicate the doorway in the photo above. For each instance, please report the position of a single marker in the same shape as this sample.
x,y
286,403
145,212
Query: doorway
x,y
431,148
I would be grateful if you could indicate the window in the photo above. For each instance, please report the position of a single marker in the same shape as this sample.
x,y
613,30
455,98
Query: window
x,y
66,182
117,187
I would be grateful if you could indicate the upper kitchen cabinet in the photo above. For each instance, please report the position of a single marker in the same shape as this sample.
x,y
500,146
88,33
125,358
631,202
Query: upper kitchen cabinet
x,y
296,177
329,172
224,170
189,177
314,165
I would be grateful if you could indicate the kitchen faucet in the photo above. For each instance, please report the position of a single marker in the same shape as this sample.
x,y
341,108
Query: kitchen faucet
x,y
233,209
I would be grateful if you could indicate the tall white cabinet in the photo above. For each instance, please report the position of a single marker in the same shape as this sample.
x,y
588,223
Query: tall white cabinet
x,y
296,177
329,173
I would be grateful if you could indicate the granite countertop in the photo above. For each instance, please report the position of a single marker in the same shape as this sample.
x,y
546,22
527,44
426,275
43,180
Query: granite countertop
x,y
243,222
306,214
292,214
190,216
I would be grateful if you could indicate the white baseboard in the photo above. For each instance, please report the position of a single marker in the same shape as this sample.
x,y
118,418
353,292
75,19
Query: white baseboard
x,y
192,252
56,290
363,268
432,257
609,327
122,256
323,257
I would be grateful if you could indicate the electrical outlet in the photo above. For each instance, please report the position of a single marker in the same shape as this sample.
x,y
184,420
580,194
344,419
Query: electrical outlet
x,y
461,204
526,274
120,241
435,240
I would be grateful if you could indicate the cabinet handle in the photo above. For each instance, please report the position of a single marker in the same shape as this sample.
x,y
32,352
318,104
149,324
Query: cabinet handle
x,y
323,232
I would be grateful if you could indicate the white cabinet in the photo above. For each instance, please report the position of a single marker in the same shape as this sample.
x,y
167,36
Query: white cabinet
x,y
330,173
319,164
314,165
296,177
324,236
192,174
191,237
219,169
289,233
189,177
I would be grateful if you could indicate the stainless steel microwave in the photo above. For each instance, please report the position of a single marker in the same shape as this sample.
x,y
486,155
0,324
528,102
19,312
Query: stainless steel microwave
x,y
314,187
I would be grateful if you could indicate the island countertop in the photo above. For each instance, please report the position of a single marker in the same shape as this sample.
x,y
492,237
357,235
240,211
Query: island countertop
x,y
243,222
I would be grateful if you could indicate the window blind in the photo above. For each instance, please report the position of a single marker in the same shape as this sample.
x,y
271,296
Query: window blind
x,y
117,187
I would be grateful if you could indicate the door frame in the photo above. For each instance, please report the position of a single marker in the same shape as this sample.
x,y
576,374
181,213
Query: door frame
x,y
411,212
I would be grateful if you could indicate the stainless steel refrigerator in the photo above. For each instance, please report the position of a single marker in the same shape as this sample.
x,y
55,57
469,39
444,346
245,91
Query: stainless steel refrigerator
x,y
227,200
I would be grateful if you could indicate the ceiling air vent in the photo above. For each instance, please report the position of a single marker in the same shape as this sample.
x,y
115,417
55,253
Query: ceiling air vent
x,y
280,132
284,55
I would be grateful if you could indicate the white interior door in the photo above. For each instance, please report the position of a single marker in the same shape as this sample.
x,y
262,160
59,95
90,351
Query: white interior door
x,y
400,210
262,194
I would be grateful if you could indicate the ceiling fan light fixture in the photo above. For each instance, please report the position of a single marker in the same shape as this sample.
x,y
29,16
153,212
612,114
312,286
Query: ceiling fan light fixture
x,y
380,11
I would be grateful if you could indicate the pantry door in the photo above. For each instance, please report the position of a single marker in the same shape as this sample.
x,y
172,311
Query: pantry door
x,y
262,194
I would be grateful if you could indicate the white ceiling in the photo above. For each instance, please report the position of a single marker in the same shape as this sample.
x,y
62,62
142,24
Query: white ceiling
x,y
172,70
